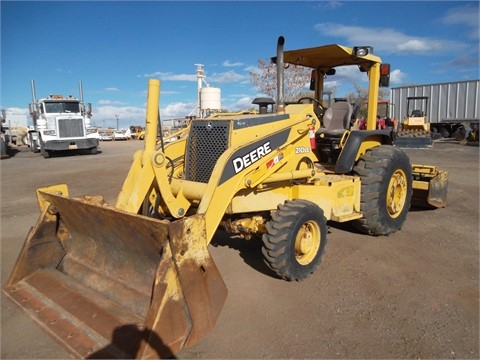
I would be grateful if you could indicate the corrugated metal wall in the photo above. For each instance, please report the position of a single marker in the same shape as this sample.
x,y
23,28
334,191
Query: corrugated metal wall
x,y
455,101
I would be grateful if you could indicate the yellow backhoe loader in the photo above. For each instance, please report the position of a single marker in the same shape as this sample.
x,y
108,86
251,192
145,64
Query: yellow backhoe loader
x,y
136,279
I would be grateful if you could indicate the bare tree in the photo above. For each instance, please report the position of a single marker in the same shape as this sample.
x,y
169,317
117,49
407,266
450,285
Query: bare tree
x,y
265,79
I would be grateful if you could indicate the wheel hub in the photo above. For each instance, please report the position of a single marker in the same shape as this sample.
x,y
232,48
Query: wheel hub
x,y
397,193
307,243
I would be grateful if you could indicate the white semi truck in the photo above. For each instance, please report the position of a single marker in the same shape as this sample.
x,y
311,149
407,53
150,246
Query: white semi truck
x,y
61,123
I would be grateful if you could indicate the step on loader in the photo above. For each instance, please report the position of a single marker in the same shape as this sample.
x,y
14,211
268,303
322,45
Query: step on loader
x,y
136,279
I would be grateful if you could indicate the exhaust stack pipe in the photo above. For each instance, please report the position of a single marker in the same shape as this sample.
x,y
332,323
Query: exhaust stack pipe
x,y
34,96
280,76
80,91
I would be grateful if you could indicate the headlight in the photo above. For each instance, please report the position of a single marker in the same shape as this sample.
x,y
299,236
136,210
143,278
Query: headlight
x,y
49,132
91,131
361,51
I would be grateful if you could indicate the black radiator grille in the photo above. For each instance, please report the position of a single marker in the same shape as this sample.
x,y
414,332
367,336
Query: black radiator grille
x,y
70,128
207,141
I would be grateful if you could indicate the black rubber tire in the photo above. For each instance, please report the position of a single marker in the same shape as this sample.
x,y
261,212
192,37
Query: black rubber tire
x,y
283,249
445,133
33,147
386,190
45,153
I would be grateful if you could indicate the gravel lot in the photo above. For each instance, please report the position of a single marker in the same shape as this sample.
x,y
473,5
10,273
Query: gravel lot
x,y
414,294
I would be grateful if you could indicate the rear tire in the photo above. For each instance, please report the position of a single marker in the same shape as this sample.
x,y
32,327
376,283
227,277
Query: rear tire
x,y
386,191
295,239
444,132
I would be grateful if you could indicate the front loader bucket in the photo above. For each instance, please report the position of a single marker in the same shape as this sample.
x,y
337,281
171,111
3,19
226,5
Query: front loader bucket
x,y
109,284
430,186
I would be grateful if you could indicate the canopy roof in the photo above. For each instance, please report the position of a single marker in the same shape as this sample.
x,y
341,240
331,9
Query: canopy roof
x,y
327,57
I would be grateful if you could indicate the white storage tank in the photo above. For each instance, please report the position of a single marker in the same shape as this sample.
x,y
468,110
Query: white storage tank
x,y
210,98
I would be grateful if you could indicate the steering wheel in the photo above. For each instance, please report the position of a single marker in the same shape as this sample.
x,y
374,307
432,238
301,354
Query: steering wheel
x,y
318,109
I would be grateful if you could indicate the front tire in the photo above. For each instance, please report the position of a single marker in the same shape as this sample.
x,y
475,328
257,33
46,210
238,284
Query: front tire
x,y
295,239
34,147
45,153
386,191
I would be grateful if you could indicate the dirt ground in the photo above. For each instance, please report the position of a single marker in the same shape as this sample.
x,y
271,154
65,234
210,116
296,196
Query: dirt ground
x,y
414,294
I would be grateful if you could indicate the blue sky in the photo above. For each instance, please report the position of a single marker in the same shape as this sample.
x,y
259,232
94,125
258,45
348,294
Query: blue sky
x,y
113,47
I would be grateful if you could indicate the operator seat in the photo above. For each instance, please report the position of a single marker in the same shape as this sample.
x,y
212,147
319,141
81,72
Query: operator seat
x,y
336,119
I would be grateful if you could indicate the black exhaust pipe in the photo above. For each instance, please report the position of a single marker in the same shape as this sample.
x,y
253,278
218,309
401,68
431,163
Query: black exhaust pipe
x,y
280,76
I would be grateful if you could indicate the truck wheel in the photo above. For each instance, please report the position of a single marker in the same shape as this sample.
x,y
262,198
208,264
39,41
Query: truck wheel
x,y
45,153
33,144
444,132
386,190
295,239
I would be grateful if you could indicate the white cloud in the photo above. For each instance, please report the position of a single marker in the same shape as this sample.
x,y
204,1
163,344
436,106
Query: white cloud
x,y
331,85
465,16
169,92
221,77
419,45
396,77
239,96
63,71
387,40
15,111
112,89
243,103
251,68
329,5
227,77
227,63
348,74
464,62
170,76
178,110
110,102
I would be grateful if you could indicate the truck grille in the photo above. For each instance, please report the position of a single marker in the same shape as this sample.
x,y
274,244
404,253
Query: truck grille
x,y
207,141
70,128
